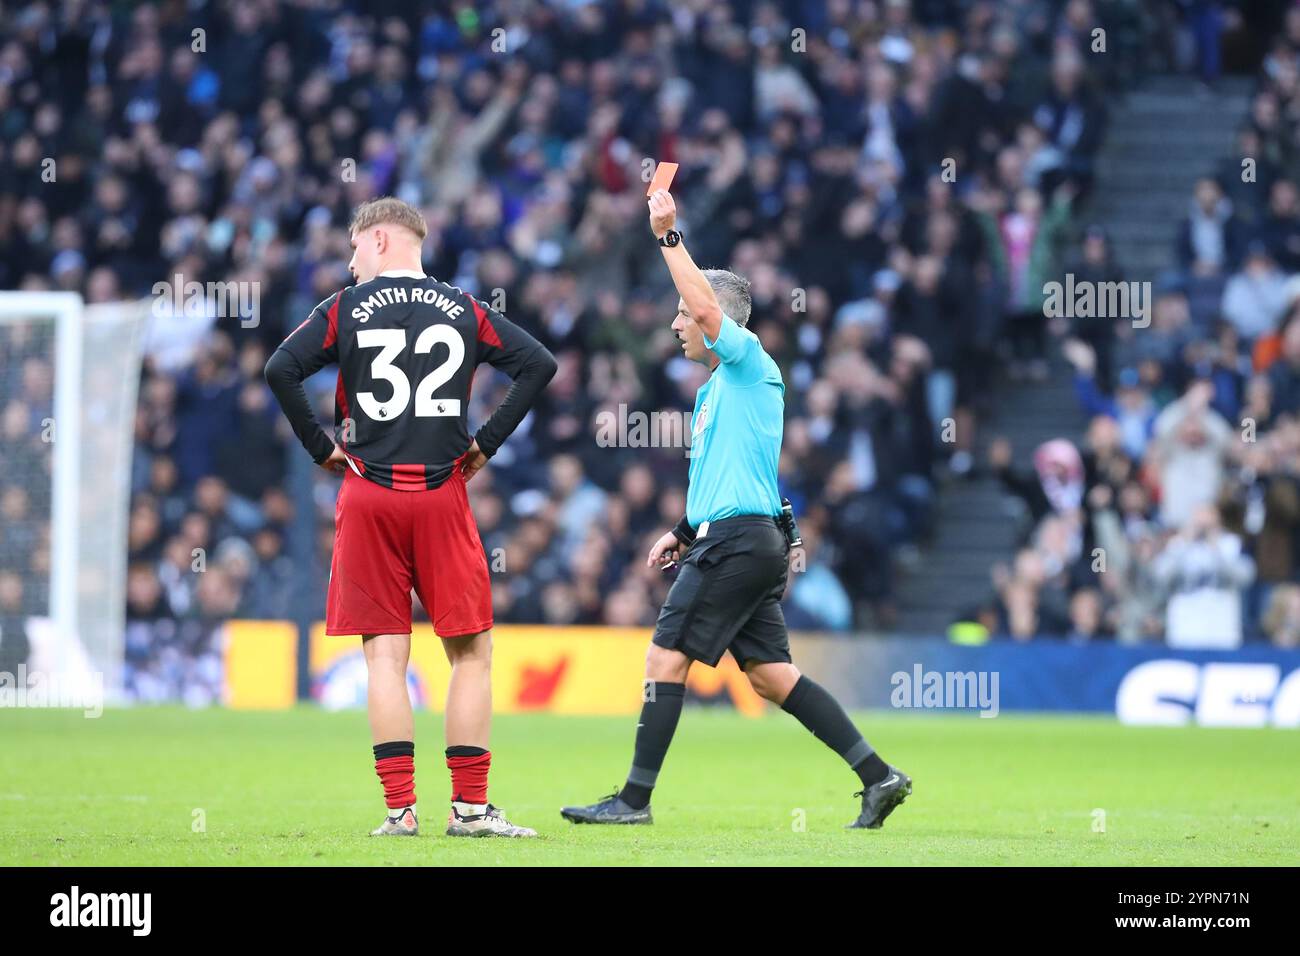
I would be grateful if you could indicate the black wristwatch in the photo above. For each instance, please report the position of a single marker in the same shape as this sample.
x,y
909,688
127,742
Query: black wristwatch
x,y
671,238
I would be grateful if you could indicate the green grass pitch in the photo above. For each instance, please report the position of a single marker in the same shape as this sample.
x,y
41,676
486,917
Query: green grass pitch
x,y
298,787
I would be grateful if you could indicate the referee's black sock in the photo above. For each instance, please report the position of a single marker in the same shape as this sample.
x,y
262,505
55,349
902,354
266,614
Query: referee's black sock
x,y
654,733
813,706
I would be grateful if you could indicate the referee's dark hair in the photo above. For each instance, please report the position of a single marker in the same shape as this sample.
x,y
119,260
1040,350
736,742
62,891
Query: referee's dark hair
x,y
732,292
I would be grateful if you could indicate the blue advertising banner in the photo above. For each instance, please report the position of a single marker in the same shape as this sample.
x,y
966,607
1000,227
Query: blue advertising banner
x,y
1149,684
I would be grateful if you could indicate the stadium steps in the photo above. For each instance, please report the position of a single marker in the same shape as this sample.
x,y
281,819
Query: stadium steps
x,y
977,525
1161,138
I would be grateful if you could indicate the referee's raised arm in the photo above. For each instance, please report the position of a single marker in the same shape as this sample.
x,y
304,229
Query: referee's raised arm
x,y
691,284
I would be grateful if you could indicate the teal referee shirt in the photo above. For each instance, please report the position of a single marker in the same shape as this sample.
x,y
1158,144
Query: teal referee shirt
x,y
736,431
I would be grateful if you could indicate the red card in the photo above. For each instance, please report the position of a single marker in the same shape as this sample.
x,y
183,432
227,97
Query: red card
x,y
663,177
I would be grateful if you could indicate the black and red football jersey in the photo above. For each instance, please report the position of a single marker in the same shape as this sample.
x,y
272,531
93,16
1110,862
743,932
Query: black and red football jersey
x,y
406,346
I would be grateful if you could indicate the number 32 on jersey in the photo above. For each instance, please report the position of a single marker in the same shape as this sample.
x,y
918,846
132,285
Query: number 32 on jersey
x,y
390,343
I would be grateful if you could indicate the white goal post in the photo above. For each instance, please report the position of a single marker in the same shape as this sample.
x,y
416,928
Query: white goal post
x,y
85,442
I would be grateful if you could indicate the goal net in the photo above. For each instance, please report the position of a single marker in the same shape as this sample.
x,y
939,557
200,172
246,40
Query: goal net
x,y
69,375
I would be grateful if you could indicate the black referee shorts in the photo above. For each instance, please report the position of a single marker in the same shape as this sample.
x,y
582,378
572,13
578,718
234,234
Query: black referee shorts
x,y
727,595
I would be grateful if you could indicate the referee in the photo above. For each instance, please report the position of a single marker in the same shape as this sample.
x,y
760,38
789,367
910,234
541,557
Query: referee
x,y
732,548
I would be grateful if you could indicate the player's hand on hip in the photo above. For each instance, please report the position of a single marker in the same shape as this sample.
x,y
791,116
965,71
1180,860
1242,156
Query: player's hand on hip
x,y
663,551
663,212
474,461
336,463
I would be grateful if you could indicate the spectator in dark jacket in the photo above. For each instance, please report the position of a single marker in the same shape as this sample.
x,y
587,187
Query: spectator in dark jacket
x,y
1208,239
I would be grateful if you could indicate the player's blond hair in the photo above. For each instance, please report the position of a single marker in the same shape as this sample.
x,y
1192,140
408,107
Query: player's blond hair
x,y
388,210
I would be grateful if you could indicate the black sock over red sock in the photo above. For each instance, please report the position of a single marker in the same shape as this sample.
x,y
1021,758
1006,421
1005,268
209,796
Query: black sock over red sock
x,y
469,773
395,764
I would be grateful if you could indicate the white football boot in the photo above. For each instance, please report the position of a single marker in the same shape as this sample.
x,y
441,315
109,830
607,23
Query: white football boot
x,y
482,820
401,822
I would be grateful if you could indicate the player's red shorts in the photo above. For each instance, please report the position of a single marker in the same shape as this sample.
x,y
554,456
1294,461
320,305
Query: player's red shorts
x,y
387,542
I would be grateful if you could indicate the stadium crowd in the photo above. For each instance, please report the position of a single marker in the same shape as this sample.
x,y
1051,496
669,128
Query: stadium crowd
x,y
1178,515
896,179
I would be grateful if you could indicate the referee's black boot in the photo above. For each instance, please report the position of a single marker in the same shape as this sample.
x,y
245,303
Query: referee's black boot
x,y
880,799
609,809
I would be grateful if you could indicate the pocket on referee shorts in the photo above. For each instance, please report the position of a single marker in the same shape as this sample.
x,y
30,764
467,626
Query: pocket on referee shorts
x,y
707,552
686,592
696,619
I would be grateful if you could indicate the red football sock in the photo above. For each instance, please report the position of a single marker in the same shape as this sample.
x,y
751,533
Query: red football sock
x,y
469,773
395,764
